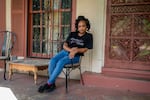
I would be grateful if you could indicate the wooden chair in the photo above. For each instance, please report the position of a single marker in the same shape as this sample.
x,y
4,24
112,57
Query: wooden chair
x,y
7,40
69,68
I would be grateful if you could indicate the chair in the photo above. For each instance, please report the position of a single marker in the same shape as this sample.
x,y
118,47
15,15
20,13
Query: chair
x,y
70,67
7,40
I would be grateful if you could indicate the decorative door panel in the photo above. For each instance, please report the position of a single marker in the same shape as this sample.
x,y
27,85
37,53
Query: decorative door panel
x,y
128,34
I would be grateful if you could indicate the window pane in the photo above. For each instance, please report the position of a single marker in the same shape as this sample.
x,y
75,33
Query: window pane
x,y
56,18
56,33
56,4
44,35
36,40
65,32
36,19
66,18
46,5
44,19
36,5
55,48
36,46
66,4
44,41
36,33
44,49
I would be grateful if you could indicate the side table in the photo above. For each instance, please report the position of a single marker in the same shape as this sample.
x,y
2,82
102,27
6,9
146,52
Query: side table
x,y
33,65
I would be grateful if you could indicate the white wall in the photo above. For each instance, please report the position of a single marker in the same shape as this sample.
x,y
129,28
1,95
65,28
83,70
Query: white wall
x,y
95,11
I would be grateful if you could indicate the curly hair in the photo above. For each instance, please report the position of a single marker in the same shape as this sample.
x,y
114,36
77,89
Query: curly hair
x,y
82,18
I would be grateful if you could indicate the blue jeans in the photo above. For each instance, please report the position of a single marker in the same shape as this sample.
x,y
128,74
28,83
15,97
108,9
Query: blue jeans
x,y
57,63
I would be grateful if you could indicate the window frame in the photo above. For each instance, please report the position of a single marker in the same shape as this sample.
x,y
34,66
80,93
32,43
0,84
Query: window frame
x,y
29,49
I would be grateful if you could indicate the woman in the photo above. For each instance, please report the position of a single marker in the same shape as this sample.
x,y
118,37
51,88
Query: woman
x,y
76,45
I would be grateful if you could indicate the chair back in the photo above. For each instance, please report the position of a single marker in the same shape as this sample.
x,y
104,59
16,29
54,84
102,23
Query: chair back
x,y
7,40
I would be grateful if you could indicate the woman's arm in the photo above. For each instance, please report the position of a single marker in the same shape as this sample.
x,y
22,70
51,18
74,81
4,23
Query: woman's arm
x,y
81,50
73,51
76,50
65,47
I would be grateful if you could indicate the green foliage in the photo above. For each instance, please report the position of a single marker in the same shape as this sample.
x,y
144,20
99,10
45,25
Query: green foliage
x,y
146,27
144,53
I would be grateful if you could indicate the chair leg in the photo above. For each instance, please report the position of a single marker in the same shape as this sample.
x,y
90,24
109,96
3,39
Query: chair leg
x,y
4,70
66,80
81,76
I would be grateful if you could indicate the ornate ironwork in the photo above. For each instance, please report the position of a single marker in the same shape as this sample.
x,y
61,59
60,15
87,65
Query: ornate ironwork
x,y
120,49
129,35
141,50
142,25
130,9
121,25
129,1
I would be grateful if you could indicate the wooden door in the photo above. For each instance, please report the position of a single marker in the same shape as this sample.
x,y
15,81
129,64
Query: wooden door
x,y
128,34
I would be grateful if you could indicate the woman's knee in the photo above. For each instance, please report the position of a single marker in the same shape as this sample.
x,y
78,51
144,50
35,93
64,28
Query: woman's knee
x,y
52,62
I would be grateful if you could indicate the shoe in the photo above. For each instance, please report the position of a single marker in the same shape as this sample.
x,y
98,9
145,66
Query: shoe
x,y
51,88
47,88
42,87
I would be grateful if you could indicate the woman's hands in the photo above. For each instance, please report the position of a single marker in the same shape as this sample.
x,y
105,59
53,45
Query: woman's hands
x,y
73,52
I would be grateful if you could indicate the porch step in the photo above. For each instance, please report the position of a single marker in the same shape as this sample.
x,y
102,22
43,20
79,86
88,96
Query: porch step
x,y
126,73
100,80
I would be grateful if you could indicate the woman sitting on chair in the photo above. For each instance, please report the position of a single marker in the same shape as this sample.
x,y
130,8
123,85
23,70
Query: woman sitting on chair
x,y
76,45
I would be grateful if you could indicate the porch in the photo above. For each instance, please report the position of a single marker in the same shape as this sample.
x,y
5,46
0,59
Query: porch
x,y
23,87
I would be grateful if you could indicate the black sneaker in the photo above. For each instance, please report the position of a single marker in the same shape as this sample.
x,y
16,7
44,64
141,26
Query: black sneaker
x,y
51,88
46,88
42,88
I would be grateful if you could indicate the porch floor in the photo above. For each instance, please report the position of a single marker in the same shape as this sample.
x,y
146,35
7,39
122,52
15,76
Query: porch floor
x,y
23,87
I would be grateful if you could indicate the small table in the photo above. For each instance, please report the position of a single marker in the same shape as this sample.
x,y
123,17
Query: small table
x,y
33,65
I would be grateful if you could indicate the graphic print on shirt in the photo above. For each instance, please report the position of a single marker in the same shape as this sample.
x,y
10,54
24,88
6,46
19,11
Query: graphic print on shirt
x,y
77,41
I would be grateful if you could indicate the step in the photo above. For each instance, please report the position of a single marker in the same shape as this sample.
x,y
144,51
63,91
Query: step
x,y
100,80
127,73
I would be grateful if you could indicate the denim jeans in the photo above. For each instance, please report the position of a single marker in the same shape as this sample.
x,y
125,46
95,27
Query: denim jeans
x,y
57,63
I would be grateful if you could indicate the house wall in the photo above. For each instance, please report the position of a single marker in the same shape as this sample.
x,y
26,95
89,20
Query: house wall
x,y
95,11
2,17
2,25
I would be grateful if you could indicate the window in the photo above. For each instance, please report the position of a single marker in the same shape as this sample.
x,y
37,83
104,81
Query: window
x,y
49,24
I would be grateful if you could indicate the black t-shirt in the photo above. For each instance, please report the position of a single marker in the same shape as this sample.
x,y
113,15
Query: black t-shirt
x,y
85,41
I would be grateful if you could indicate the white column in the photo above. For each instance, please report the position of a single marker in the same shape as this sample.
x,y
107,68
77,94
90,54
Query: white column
x,y
8,15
